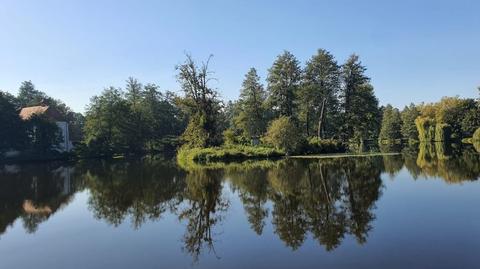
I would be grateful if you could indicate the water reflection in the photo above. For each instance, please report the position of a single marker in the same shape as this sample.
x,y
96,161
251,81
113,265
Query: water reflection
x,y
139,190
34,193
327,199
204,208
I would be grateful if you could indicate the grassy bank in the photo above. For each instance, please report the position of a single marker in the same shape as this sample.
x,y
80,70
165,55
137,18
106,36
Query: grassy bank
x,y
344,155
226,154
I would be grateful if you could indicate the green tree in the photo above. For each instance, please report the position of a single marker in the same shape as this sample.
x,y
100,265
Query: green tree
x,y
12,133
201,104
353,91
391,125
106,122
319,106
365,115
471,120
454,115
283,79
43,134
409,114
251,118
137,126
162,116
29,96
283,134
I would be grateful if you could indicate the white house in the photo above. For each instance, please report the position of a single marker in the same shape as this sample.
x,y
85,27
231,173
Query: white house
x,y
51,113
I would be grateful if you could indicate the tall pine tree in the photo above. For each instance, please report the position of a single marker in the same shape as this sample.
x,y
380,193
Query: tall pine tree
x,y
283,82
251,118
319,106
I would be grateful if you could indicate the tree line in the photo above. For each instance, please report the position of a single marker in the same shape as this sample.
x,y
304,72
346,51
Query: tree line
x,y
300,108
324,100
448,120
36,135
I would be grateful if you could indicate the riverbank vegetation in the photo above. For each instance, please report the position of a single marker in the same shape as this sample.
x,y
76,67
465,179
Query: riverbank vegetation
x,y
318,107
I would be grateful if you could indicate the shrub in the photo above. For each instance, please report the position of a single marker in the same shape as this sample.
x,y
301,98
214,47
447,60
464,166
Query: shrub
x,y
234,137
316,146
225,154
283,134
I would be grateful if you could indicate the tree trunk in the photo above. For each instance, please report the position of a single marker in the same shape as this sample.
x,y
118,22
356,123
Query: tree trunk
x,y
320,120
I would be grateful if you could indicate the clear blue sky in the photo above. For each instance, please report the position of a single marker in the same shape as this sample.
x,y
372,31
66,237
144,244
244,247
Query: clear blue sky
x,y
414,50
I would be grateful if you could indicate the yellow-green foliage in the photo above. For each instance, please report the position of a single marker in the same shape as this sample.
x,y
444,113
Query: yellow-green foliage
x,y
476,140
440,160
426,129
476,145
442,132
283,134
476,135
451,111
231,153
317,145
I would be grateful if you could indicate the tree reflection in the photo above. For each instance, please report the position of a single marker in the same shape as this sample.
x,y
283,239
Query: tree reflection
x,y
253,192
327,198
142,190
452,163
203,210
392,163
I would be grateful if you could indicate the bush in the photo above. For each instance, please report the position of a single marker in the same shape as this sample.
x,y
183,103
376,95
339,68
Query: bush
x,y
225,154
234,137
317,146
283,134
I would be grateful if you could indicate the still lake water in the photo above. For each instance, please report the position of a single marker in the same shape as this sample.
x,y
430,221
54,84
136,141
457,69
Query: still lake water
x,y
415,210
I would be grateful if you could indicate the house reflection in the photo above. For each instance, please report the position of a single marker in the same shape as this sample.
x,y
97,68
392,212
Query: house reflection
x,y
325,199
33,193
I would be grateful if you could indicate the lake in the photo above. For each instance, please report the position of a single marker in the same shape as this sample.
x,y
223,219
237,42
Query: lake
x,y
417,209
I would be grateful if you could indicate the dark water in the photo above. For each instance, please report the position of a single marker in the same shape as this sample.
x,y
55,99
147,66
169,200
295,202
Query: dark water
x,y
415,210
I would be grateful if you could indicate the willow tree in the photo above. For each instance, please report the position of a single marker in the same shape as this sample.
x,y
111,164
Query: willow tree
x,y
284,79
319,106
201,104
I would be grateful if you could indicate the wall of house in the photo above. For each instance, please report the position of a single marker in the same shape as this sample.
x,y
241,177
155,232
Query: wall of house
x,y
66,145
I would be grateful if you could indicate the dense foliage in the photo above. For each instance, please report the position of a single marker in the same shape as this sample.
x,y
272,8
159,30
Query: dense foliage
x,y
321,107
201,105
251,115
319,100
11,133
132,121
409,129
390,132
283,134
37,136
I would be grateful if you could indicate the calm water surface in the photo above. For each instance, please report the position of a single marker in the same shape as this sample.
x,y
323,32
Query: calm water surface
x,y
415,210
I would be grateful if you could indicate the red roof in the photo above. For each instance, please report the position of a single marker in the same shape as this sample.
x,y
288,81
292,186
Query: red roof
x,y
27,112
